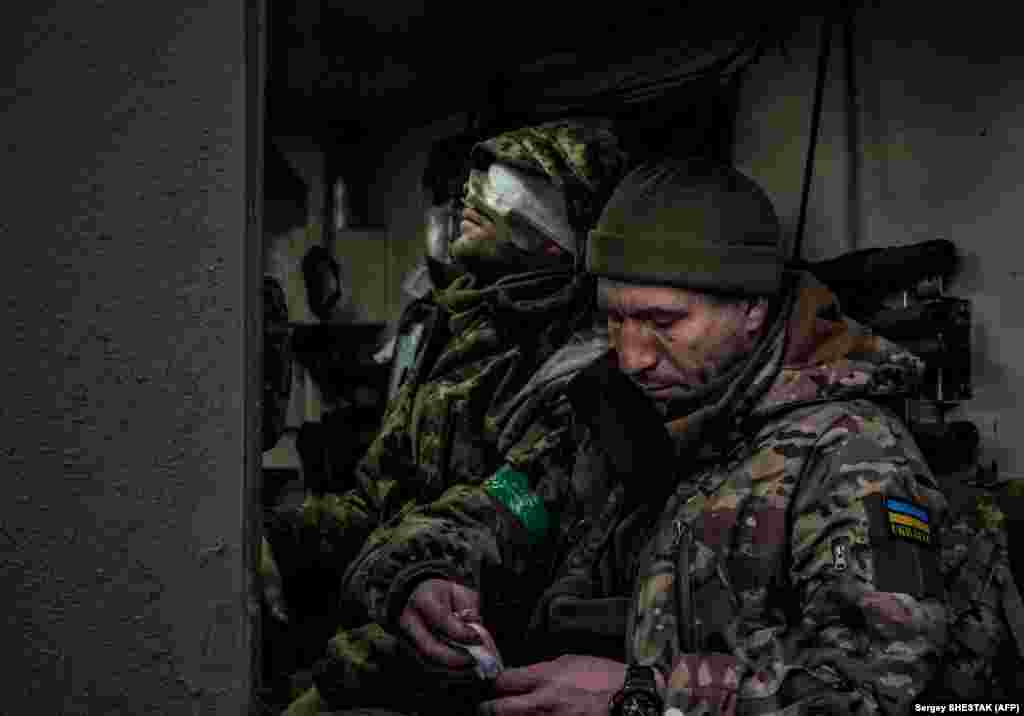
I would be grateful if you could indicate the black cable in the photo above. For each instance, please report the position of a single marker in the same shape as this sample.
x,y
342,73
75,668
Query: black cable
x,y
853,131
819,91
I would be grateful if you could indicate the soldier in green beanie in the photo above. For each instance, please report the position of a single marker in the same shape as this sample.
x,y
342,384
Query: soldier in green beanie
x,y
512,296
746,527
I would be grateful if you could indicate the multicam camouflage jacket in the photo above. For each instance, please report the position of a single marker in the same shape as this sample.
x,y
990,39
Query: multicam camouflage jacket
x,y
795,565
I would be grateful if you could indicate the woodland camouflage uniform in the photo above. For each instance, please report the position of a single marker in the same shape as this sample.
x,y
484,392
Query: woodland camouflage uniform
x,y
482,345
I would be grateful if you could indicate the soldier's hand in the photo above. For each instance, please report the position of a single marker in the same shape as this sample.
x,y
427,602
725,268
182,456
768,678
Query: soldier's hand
x,y
571,685
432,613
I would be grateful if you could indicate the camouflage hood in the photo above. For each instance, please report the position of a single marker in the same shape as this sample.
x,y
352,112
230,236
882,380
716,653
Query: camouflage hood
x,y
582,349
507,330
539,186
828,356
582,157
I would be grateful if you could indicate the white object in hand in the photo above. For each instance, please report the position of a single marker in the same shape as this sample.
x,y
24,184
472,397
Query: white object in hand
x,y
487,663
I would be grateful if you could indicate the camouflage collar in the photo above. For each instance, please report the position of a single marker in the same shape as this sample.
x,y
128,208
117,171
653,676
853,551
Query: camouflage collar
x,y
831,357
532,291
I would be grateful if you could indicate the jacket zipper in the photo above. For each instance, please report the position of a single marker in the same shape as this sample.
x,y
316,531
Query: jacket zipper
x,y
684,596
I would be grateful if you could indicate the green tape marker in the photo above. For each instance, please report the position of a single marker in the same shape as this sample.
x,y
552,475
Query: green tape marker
x,y
512,489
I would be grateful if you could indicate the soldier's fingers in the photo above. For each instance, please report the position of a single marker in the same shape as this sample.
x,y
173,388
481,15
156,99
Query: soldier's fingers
x,y
456,629
465,604
486,640
437,609
464,599
519,705
429,646
521,680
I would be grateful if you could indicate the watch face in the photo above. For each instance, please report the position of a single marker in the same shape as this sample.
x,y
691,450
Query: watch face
x,y
633,707
639,705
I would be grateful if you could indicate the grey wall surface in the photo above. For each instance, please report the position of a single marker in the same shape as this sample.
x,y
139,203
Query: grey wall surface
x,y
124,449
930,146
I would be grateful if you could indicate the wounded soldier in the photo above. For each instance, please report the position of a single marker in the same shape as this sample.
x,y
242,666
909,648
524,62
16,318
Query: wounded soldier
x,y
531,198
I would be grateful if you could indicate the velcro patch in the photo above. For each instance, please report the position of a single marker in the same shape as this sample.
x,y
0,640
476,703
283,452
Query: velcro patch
x,y
903,542
908,520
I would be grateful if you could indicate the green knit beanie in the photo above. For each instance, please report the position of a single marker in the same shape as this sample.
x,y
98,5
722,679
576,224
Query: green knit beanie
x,y
693,223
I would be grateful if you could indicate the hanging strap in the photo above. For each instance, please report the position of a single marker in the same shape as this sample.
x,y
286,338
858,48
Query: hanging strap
x,y
819,91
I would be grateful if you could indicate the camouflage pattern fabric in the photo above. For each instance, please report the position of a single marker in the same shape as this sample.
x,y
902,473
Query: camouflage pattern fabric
x,y
787,587
776,555
581,157
443,426
491,340
575,160
983,659
361,663
270,582
483,346
442,429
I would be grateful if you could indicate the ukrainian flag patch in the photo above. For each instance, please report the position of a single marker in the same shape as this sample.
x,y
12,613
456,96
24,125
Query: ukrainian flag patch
x,y
908,520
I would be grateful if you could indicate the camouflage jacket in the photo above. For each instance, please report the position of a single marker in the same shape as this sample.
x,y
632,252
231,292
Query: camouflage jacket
x,y
481,348
984,655
773,577
483,344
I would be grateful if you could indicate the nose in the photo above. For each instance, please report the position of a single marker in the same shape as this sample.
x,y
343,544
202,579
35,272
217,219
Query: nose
x,y
636,348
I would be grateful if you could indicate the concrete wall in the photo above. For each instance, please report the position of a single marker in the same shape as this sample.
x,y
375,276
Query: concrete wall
x,y
933,148
126,431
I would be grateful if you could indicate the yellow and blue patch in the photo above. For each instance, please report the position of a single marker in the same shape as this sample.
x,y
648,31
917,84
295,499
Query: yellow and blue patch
x,y
908,520
904,557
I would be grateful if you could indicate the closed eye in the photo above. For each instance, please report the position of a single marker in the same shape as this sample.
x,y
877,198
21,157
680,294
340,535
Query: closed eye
x,y
662,319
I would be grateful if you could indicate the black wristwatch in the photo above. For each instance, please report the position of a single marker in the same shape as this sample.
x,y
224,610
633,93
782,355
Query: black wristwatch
x,y
639,694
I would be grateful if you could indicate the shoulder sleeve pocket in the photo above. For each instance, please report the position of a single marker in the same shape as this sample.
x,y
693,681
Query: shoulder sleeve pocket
x,y
903,546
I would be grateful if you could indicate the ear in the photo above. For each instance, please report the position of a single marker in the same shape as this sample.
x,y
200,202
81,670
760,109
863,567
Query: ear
x,y
757,312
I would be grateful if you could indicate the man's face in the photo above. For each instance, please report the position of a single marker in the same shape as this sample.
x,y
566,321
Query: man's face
x,y
476,226
507,206
673,341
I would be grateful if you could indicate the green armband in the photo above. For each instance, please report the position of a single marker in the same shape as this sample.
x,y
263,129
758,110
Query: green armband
x,y
512,489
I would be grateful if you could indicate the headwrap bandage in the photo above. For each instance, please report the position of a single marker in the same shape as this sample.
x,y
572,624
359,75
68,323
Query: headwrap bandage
x,y
581,157
527,210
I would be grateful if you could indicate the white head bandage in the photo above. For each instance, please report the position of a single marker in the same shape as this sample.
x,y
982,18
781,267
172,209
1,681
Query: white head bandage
x,y
530,207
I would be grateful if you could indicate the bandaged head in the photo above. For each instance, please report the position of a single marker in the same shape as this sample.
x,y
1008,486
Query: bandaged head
x,y
542,185
526,208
